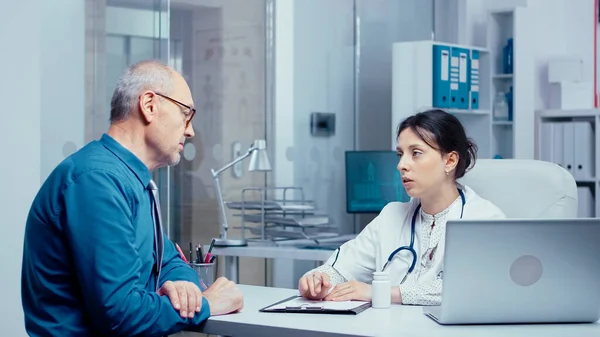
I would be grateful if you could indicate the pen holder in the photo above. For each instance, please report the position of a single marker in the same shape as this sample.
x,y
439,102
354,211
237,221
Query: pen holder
x,y
206,273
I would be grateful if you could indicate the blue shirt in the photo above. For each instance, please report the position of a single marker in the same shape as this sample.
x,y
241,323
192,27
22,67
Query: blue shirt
x,y
88,258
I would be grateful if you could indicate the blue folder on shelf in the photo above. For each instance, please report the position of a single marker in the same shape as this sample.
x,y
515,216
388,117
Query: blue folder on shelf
x,y
441,76
459,86
474,79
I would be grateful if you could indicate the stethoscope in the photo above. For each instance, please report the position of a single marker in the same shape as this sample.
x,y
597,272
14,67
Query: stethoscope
x,y
411,248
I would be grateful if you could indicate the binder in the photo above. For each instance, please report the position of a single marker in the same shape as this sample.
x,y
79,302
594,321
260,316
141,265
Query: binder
x,y
583,151
298,304
585,202
454,74
547,142
441,76
568,147
557,143
474,79
459,90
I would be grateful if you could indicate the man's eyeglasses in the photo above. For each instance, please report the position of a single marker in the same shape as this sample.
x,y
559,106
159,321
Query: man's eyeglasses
x,y
189,113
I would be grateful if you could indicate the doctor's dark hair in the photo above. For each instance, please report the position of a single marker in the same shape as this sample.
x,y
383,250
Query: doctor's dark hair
x,y
443,132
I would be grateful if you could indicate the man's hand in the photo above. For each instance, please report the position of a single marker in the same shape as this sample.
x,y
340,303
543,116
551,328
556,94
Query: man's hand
x,y
352,290
224,297
185,296
314,286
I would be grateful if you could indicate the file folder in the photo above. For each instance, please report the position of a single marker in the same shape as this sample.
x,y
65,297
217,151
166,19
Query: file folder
x,y
454,75
459,86
547,142
583,151
298,304
568,147
441,76
474,79
585,202
557,144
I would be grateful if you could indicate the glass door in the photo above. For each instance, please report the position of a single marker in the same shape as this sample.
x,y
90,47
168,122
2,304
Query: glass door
x,y
219,47
119,33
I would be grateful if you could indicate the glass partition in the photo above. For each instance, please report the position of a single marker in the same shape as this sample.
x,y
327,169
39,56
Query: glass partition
x,y
219,47
223,48
223,59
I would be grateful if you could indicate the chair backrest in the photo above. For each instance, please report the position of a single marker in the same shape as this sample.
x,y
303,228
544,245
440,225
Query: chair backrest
x,y
524,188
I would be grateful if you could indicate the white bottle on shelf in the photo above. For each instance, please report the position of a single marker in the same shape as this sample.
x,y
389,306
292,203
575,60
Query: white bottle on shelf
x,y
500,107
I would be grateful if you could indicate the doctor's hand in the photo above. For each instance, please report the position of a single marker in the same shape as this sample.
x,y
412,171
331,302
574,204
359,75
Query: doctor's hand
x,y
184,296
224,297
352,290
314,286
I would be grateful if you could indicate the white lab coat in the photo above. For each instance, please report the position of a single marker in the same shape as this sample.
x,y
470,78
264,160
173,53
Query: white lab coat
x,y
391,229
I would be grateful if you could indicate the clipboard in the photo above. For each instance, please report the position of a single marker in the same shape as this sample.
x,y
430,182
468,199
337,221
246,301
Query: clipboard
x,y
297,304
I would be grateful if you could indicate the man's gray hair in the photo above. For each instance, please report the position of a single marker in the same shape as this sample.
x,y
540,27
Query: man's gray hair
x,y
142,76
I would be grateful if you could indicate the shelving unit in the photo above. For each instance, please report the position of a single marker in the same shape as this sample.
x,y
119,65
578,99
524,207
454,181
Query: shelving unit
x,y
570,139
512,138
414,66
413,89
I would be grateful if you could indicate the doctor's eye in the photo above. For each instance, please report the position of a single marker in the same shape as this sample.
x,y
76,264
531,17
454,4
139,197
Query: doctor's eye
x,y
416,153
399,154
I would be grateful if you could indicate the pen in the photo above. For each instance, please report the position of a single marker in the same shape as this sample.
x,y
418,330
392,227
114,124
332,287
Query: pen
x,y
208,254
198,256
212,259
181,253
191,256
201,254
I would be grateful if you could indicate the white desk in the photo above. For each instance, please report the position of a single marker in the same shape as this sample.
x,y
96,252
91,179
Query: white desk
x,y
232,255
283,251
398,321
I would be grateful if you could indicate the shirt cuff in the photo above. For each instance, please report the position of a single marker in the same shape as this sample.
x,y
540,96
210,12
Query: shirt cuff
x,y
334,276
422,294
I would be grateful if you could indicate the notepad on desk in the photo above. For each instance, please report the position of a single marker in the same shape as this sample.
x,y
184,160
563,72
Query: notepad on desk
x,y
298,304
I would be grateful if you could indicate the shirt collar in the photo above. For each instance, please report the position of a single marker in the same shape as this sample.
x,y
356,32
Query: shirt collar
x,y
128,158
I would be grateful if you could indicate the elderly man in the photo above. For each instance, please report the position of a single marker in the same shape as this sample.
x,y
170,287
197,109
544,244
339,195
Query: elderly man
x,y
95,259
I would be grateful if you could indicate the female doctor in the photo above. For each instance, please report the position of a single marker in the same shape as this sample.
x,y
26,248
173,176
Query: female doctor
x,y
407,239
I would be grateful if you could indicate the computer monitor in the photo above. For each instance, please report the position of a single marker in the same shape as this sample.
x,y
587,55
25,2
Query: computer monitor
x,y
372,181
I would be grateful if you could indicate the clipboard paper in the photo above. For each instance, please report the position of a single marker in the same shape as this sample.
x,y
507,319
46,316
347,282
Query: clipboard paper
x,y
298,304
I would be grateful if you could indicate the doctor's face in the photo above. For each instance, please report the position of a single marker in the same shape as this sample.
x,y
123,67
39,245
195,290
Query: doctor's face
x,y
421,166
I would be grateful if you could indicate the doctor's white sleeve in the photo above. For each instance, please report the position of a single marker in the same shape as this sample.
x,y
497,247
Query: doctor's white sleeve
x,y
422,293
355,259
334,276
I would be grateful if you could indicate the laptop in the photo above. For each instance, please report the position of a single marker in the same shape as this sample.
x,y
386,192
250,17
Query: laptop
x,y
520,271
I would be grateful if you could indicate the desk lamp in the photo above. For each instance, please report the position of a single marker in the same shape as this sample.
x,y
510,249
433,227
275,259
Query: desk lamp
x,y
258,162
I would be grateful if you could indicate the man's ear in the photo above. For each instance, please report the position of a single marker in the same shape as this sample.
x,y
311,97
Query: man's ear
x,y
148,104
451,161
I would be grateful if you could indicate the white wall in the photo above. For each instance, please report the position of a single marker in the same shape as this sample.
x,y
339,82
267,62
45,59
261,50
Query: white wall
x,y
314,73
316,64
19,145
62,81
42,91
323,82
383,22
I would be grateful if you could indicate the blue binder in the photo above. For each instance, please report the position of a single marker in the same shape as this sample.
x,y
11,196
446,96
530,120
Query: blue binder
x,y
441,76
454,69
459,84
474,79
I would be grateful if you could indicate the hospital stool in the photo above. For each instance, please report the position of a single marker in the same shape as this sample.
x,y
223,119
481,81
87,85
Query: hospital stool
x,y
524,188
